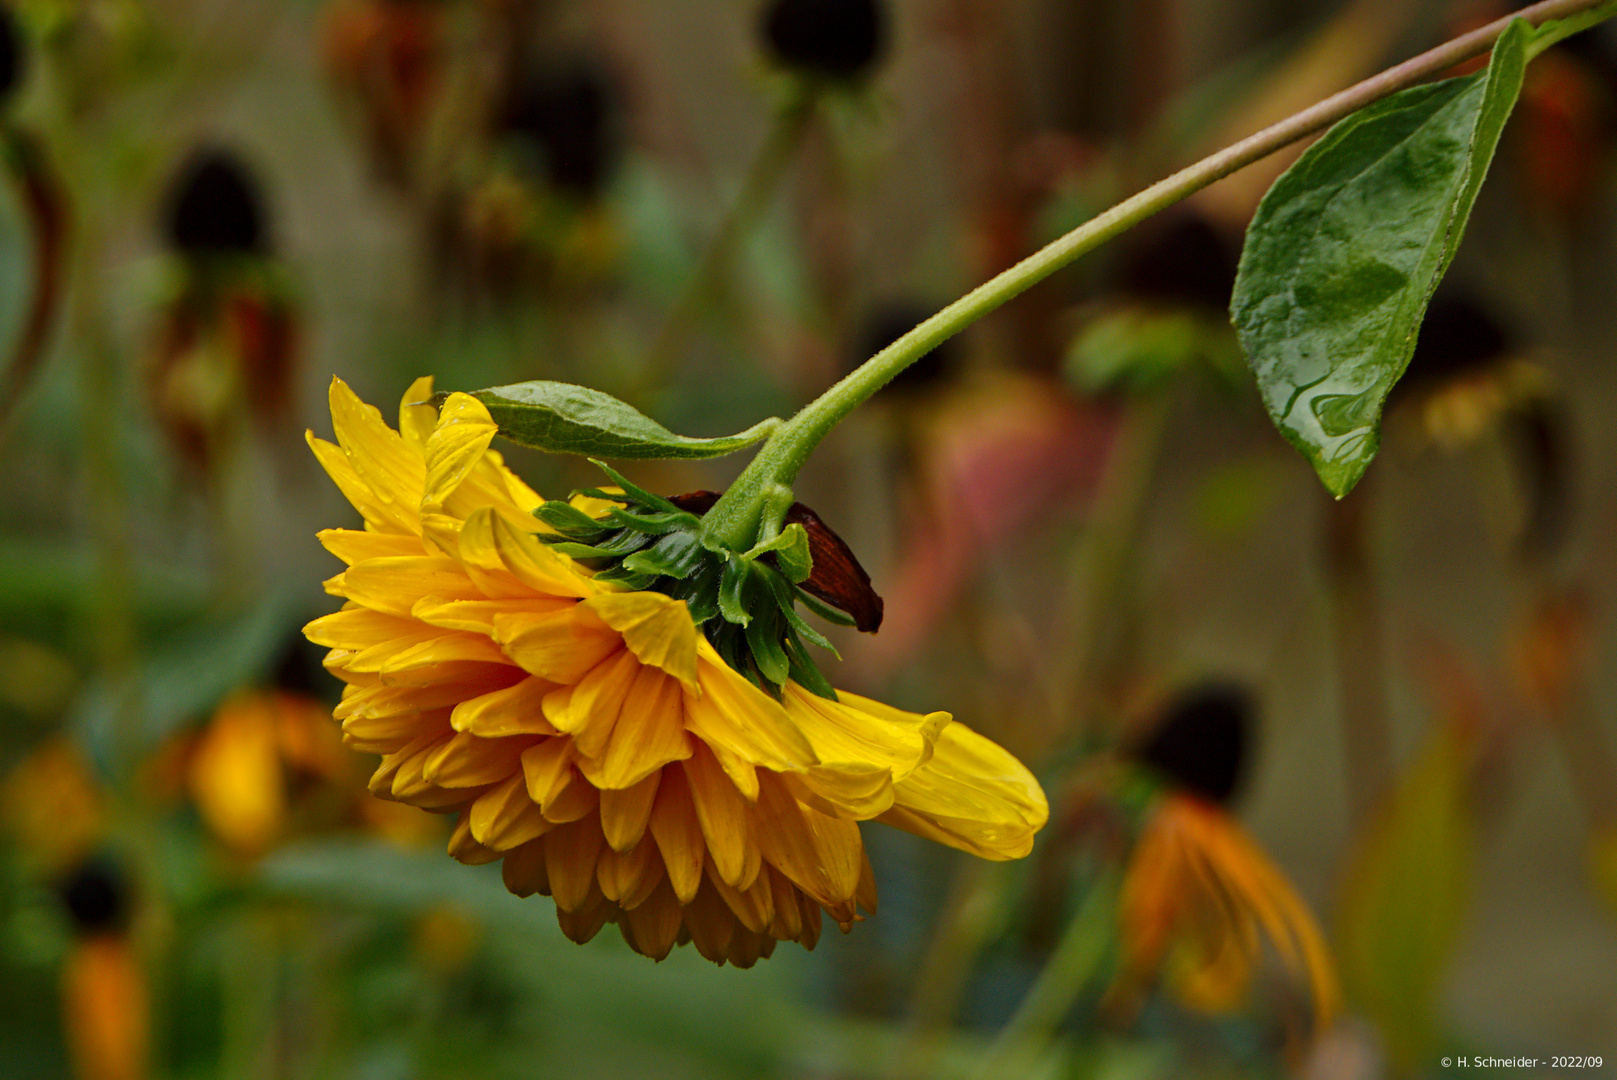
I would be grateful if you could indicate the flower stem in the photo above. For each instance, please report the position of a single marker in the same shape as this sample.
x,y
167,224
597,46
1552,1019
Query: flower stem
x,y
733,520
764,176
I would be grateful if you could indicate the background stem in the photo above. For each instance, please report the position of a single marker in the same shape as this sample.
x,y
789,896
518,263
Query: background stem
x,y
757,190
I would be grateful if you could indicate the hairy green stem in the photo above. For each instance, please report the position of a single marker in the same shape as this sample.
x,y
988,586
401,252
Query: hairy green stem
x,y
734,519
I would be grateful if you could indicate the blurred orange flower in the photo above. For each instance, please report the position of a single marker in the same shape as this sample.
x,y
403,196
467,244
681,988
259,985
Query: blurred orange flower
x,y
1197,895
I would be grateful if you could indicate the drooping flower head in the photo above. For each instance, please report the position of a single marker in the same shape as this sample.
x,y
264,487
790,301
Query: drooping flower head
x,y
588,734
1199,896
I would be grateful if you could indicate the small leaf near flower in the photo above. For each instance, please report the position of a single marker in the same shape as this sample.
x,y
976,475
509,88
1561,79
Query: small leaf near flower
x,y
1347,247
566,419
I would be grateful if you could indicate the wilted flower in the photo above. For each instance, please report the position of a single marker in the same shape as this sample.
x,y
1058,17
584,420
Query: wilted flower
x,y
838,39
1198,894
1198,897
591,736
105,1001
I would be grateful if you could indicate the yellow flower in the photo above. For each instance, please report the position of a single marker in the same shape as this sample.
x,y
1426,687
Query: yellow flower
x,y
591,737
1197,893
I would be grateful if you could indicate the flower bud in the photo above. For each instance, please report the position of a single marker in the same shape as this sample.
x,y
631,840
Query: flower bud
x,y
838,39
13,56
96,896
1200,743
567,117
214,207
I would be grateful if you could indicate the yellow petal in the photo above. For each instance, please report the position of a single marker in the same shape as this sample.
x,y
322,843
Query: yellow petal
x,y
576,800
652,927
570,854
357,629
463,846
540,566
788,922
524,869
858,732
755,907
478,616
629,877
393,584
678,833
504,817
417,415
972,795
851,792
588,710
357,545
650,733
820,854
477,551
468,761
384,734
379,514
548,769
737,716
656,628
447,649
726,823
389,467
514,710
625,813
463,433
561,646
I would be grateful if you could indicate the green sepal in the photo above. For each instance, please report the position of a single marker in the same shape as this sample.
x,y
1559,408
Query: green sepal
x,y
783,600
631,492
654,524
700,592
567,519
805,673
824,610
764,640
675,555
733,590
791,550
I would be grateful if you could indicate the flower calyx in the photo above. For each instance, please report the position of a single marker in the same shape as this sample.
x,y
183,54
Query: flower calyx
x,y
744,602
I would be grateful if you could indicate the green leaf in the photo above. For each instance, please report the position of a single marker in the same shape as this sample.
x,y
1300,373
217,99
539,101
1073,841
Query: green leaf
x,y
1345,250
791,550
567,419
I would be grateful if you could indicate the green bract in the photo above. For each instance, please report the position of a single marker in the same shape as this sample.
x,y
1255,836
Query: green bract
x,y
1347,247
744,602
567,419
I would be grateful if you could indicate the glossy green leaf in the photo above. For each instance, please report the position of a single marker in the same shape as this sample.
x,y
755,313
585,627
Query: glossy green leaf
x,y
1345,250
567,419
